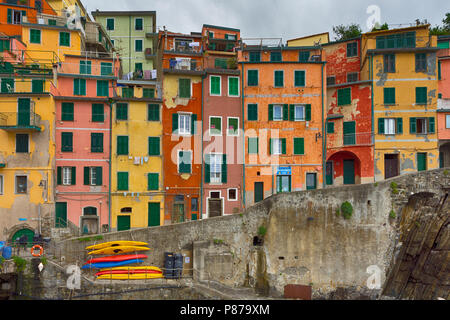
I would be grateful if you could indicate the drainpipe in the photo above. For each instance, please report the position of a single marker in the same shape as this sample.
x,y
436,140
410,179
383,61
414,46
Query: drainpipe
x,y
372,112
201,163
243,137
110,165
324,141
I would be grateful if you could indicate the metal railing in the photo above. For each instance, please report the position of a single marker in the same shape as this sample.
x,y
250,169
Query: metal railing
x,y
358,139
19,119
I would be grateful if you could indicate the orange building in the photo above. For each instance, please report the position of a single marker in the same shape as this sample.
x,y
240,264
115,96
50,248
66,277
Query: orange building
x,y
284,100
182,78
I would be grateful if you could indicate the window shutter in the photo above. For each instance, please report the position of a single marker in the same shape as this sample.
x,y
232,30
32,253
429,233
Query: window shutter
x,y
286,112
194,124
283,146
291,112
299,146
99,176
87,177
59,176
270,112
184,87
153,181
122,181
98,112
207,168
37,86
9,15
76,86
174,122
308,112
253,145
381,126
154,146
412,125
74,175
270,146
252,112
224,168
399,125
431,125
67,109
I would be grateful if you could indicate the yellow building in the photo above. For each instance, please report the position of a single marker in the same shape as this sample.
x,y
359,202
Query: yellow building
x,y
137,195
402,65
309,41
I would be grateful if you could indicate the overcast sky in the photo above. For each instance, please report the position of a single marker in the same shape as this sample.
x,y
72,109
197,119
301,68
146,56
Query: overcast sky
x,y
284,19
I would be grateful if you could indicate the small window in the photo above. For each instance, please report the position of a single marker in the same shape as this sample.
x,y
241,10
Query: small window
x,y
279,78
98,112
303,56
421,95
352,49
139,24
215,164
421,62
127,92
67,176
389,96
21,184
215,85
79,87
299,113
277,145
194,204
232,194
252,145
153,112
184,88
277,113
184,124
252,112
66,142
331,81
138,45
184,161
389,126
389,63
252,78
299,78
110,24
22,143
233,86
154,146
344,97
102,88
255,56
122,181
1,184
126,210
35,36
153,181
447,121
275,56
122,111
215,125
352,77
122,145
96,142
85,67
233,127
64,39
148,93
106,68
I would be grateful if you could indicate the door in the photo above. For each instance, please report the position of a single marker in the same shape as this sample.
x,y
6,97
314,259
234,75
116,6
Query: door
x,y
421,161
23,112
154,214
259,191
349,171
349,133
311,181
178,213
23,233
61,215
214,207
391,166
123,223
329,173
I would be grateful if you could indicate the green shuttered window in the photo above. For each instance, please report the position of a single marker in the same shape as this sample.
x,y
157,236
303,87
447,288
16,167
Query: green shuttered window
x,y
122,111
35,36
98,114
64,39
154,146
252,112
215,85
79,87
122,145
299,146
148,93
93,176
184,88
153,112
184,161
67,142
279,78
85,67
122,181
275,56
153,181
389,96
299,78
67,111
102,88
96,142
233,86
421,95
344,96
37,86
252,78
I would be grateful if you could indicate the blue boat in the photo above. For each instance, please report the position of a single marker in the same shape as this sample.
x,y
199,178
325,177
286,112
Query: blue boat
x,y
101,265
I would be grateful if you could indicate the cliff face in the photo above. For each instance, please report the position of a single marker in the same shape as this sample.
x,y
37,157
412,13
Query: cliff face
x,y
421,268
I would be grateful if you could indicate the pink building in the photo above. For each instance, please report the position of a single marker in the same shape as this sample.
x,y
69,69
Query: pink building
x,y
443,112
83,128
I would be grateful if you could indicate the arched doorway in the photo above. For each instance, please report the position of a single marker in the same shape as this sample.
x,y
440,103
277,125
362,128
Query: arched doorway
x,y
23,235
343,168
89,221
444,155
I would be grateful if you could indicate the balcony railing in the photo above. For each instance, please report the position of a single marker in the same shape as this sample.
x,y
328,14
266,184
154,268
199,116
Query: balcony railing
x,y
358,139
20,121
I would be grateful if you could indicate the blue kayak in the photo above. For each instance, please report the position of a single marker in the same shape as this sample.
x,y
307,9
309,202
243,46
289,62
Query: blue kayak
x,y
7,252
101,265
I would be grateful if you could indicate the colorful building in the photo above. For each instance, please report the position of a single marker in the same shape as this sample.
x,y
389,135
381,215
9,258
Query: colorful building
x,y
222,123
443,111
349,134
402,64
134,36
284,101
183,78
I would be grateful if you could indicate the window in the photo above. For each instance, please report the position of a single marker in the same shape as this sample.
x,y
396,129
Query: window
x,y
233,126
389,96
421,95
127,92
21,184
303,56
344,96
148,93
349,133
153,112
66,142
447,121
352,49
279,78
1,184
330,127
299,113
37,86
215,126
109,24
299,146
215,164
277,113
389,63
96,142
331,81
352,77
252,112
102,88
252,78
64,39
106,68
403,40
35,36
5,45
122,145
138,45
22,143
138,24
253,145
122,181
277,146
184,122
184,161
153,181
422,125
232,194
194,204
421,62
255,56
390,125
275,56
98,114
215,85
79,87
283,184
122,111
67,175
93,176
7,85
85,67
233,86
184,88
15,16
154,146
311,181
299,78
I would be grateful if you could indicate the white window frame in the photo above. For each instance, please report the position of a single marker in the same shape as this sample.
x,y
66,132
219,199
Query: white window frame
x,y
185,132
233,35
178,160
295,112
2,181
239,90
142,23
447,121
220,198
21,17
93,176
210,86
425,126
211,130
106,25
15,184
217,162
281,114
66,176
135,41
228,126
279,144
228,194
392,126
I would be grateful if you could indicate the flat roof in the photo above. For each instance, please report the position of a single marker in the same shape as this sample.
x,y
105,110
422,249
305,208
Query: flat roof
x,y
122,13
219,27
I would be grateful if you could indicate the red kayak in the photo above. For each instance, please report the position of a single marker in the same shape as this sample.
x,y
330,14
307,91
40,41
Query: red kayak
x,y
131,271
122,257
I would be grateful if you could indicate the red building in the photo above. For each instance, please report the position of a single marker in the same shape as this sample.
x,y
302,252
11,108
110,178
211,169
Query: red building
x,y
349,126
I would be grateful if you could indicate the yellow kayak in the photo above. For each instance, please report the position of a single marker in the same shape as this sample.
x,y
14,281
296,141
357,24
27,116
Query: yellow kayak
x,y
150,268
118,249
134,276
116,244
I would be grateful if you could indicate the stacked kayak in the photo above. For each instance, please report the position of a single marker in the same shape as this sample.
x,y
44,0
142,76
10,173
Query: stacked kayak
x,y
130,273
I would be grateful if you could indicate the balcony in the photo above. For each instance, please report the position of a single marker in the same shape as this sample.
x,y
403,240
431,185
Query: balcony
x,y
20,121
443,53
149,54
358,139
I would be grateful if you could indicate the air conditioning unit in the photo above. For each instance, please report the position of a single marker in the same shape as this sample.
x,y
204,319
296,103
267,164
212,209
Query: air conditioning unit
x,y
41,21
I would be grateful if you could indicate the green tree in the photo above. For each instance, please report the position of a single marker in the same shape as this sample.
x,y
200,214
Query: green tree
x,y
444,29
344,32
384,26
